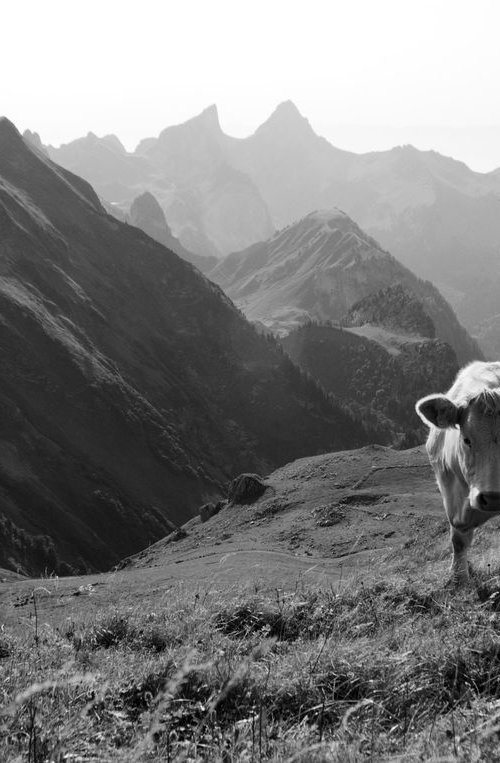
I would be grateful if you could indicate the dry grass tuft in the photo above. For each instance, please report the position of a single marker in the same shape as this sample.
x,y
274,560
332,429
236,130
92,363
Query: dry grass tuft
x,y
382,669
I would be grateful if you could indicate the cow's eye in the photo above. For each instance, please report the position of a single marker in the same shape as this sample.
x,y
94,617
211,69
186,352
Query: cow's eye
x,y
467,441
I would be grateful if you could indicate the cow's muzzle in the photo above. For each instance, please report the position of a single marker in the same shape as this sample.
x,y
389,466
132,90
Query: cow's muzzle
x,y
488,501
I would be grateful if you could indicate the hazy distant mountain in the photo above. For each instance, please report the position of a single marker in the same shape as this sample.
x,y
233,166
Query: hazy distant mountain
x,y
317,269
211,207
146,213
130,386
216,198
290,164
222,194
432,212
113,173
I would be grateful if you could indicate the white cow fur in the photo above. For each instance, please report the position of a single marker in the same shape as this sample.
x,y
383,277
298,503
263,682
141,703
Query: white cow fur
x,y
464,451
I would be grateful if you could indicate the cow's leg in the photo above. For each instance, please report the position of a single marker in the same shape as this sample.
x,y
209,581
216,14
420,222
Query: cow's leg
x,y
455,499
461,540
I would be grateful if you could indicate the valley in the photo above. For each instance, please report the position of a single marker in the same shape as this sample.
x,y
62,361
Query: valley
x,y
131,387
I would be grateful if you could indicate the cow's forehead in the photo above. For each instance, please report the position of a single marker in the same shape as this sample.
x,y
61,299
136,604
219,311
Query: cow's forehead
x,y
483,411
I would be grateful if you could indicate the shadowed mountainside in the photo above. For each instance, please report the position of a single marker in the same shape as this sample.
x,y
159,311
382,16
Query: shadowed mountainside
x,y
317,269
146,214
395,309
383,357
131,388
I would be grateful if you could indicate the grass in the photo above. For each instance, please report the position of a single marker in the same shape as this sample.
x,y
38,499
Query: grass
x,y
385,669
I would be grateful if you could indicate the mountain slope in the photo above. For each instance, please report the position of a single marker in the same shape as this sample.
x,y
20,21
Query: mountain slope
x,y
317,269
383,357
146,214
290,164
432,212
211,195
325,517
130,387
116,175
329,595
395,309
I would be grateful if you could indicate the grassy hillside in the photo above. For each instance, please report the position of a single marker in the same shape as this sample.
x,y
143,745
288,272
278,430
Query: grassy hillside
x,y
201,650
389,664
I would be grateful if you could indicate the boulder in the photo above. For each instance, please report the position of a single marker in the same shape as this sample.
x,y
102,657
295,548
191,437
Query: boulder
x,y
209,510
246,488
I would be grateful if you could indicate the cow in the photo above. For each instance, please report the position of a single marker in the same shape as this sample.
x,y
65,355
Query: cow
x,y
464,451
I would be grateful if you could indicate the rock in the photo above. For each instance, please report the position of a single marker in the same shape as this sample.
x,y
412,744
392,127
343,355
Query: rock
x,y
147,214
178,534
209,510
34,139
246,488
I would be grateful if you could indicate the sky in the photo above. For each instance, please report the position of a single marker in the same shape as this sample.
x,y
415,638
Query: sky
x,y
368,74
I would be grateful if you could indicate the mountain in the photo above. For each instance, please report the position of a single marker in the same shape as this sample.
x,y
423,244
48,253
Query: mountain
x,y
222,194
432,212
131,388
146,214
35,140
211,207
113,173
211,195
318,268
290,164
383,357
395,309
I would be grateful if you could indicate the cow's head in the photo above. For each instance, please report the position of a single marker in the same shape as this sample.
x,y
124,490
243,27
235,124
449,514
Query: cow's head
x,y
477,443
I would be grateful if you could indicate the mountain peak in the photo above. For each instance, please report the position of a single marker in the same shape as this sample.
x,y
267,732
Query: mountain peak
x,y
204,123
146,207
9,132
287,109
208,120
34,140
211,112
114,143
286,120
327,215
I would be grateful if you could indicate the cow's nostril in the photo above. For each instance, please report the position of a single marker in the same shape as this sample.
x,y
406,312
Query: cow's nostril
x,y
489,501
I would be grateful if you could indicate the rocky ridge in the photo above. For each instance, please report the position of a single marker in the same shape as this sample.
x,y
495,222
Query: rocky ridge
x,y
317,269
383,355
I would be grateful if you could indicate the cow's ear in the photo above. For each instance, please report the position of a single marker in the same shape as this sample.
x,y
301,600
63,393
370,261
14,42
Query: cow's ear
x,y
439,411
